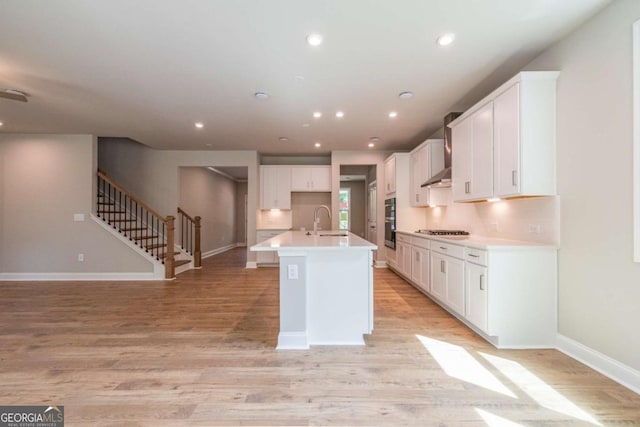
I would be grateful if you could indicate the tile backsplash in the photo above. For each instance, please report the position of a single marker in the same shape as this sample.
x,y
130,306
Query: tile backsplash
x,y
533,219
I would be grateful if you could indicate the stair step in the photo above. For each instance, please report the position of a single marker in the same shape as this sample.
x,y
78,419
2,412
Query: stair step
x,y
163,255
122,220
180,262
155,245
106,203
134,229
100,211
145,237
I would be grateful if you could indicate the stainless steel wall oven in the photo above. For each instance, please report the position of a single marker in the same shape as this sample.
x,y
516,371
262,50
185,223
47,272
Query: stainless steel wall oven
x,y
390,223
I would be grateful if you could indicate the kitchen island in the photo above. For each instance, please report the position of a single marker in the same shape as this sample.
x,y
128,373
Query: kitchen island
x,y
326,288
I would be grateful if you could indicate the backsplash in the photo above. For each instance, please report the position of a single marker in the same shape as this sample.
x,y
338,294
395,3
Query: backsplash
x,y
303,206
532,219
273,219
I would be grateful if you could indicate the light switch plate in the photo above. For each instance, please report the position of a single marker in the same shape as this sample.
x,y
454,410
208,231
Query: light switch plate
x,y
292,272
78,217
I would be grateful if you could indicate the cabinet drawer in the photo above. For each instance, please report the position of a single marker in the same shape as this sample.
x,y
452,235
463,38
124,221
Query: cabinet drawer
x,y
476,256
448,249
403,238
420,242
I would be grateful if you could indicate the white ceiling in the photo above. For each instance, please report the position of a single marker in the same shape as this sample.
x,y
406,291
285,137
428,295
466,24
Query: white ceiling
x,y
149,69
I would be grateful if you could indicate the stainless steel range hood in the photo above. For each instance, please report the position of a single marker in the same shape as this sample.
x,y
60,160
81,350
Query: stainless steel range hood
x,y
443,178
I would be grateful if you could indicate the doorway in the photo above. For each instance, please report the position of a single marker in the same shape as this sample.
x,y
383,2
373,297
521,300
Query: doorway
x,y
358,187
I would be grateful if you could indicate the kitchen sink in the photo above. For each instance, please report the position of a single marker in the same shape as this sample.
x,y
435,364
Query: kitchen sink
x,y
334,234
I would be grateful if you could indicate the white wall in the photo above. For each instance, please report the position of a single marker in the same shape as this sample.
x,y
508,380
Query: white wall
x,y
599,284
44,181
152,174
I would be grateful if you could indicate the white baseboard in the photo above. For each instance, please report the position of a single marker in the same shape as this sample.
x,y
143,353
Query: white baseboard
x,y
292,341
381,264
604,364
72,277
218,250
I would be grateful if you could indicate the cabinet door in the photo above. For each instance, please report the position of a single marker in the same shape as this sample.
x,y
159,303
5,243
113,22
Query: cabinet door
x,y
300,179
438,276
415,178
476,283
321,178
506,143
455,284
482,153
420,267
275,188
461,160
404,259
390,175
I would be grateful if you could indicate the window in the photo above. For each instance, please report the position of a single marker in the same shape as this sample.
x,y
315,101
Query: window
x,y
344,211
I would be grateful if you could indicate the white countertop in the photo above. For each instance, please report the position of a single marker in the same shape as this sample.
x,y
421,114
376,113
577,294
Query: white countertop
x,y
480,242
299,240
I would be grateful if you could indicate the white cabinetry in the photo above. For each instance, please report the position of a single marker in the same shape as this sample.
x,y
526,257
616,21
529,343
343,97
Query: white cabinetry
x,y
390,175
403,251
472,156
310,178
505,145
270,258
476,283
275,187
420,263
426,160
447,276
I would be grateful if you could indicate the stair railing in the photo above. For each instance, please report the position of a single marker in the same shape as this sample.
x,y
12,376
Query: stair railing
x,y
137,221
190,236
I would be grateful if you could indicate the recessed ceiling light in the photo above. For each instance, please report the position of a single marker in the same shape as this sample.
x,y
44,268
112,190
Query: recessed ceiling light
x,y
317,145
314,39
299,78
393,114
317,114
208,145
405,95
261,95
446,39
339,114
1,123
371,145
199,125
374,139
283,139
305,125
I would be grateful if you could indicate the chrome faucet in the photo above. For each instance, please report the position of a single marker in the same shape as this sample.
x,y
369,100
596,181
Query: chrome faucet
x,y
316,217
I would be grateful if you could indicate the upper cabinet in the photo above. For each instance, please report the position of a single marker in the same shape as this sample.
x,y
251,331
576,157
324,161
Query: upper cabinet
x,y
505,145
390,175
426,160
275,187
310,178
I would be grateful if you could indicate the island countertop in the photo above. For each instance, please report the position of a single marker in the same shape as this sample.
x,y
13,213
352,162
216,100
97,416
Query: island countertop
x,y
305,240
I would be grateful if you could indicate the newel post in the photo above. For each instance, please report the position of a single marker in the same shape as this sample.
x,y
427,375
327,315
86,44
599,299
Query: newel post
x,y
197,253
169,261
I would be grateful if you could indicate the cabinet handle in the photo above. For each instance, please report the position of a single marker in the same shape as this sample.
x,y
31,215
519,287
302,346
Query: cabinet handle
x,y
482,282
467,187
474,256
514,177
417,198
443,248
441,266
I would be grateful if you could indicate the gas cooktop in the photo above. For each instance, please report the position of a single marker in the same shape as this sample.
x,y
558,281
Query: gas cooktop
x,y
444,232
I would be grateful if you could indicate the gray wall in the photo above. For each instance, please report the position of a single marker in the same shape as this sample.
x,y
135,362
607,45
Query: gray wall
x,y
212,197
599,283
241,227
303,206
358,206
153,174
44,181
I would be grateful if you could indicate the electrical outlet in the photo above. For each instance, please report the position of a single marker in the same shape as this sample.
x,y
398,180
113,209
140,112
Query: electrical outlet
x,y
80,257
292,272
535,229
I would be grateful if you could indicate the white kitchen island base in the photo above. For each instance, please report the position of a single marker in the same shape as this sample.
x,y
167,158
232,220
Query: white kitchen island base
x,y
326,289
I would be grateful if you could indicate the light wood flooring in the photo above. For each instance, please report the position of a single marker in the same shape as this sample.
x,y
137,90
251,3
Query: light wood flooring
x,y
199,351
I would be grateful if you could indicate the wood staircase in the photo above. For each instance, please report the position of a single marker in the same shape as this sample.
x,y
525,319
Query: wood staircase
x,y
146,228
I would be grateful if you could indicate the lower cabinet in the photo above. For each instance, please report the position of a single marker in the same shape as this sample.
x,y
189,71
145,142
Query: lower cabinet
x,y
267,258
508,294
476,281
447,281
